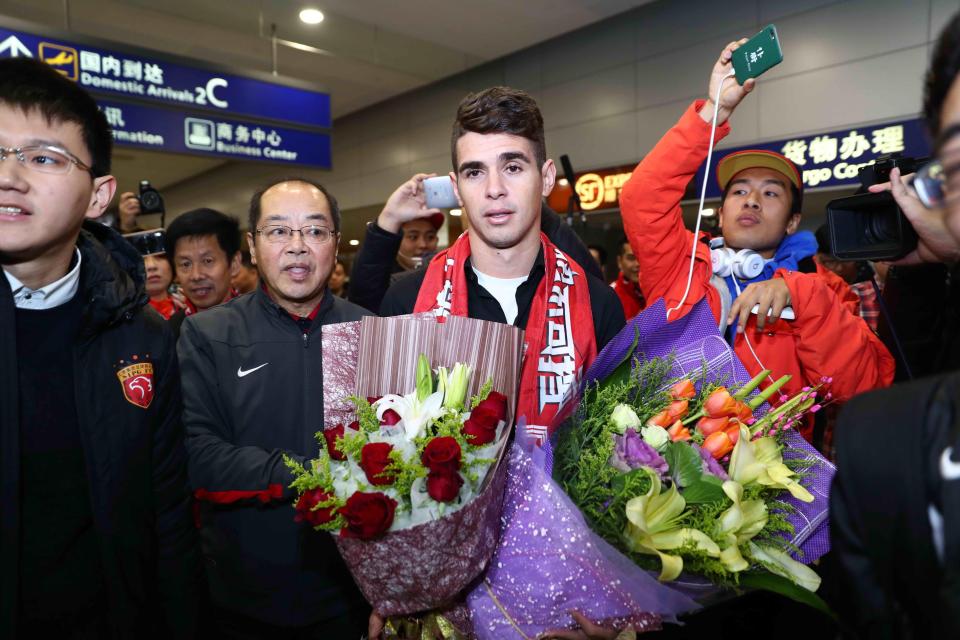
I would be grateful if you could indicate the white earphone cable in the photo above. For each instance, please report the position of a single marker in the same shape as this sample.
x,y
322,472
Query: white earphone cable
x,y
703,195
736,284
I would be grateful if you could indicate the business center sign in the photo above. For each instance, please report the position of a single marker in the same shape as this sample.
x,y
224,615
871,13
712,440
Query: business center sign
x,y
157,128
216,98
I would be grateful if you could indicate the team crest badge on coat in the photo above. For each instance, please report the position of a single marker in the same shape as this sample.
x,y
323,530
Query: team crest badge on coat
x,y
137,383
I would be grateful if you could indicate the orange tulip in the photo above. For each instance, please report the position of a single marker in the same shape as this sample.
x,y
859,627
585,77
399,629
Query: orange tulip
x,y
683,389
678,432
678,410
733,431
662,419
718,444
708,426
744,413
720,403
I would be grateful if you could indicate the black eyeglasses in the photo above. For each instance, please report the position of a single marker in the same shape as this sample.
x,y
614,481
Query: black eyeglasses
x,y
282,234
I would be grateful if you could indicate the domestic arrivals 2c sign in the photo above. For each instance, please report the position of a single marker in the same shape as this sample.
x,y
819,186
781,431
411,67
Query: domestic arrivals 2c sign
x,y
144,77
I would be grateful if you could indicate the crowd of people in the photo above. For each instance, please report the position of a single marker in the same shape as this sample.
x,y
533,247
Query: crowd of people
x,y
151,387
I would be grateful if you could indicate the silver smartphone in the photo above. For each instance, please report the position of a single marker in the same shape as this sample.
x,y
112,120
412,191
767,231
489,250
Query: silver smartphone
x,y
439,193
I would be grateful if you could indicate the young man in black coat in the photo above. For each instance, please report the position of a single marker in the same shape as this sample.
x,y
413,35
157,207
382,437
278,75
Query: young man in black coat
x,y
96,538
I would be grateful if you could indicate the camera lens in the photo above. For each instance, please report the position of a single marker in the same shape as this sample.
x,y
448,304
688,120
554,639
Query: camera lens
x,y
150,199
882,227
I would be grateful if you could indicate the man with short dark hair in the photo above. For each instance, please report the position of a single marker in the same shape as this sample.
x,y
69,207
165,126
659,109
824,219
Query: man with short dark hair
x,y
759,219
627,286
253,393
504,268
205,245
96,538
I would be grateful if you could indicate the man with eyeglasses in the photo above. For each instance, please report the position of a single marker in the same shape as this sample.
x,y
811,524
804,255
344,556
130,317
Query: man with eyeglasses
x,y
253,392
96,538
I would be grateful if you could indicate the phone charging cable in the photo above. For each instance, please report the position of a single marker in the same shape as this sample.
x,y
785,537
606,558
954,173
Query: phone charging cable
x,y
736,284
696,231
703,194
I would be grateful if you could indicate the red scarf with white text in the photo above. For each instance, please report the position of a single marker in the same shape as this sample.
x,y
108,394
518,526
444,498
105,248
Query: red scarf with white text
x,y
557,350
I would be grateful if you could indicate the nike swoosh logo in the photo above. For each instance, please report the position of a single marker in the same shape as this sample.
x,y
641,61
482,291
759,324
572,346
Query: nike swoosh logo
x,y
949,469
241,373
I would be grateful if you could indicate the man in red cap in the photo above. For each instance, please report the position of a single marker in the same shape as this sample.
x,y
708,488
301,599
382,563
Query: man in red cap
x,y
760,212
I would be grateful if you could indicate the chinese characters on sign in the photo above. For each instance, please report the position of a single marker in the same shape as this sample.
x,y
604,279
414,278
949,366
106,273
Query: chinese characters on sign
x,y
835,158
172,130
213,97
144,77
852,148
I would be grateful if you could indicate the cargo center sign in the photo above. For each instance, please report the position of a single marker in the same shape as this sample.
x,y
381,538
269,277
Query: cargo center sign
x,y
825,160
231,115
834,159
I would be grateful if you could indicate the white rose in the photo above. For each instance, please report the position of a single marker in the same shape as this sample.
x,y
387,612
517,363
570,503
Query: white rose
x,y
623,417
656,437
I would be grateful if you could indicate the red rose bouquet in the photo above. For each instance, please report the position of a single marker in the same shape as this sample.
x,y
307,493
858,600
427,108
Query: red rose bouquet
x,y
409,479
406,460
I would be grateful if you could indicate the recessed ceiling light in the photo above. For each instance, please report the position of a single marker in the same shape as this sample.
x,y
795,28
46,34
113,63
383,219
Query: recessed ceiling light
x,y
456,212
708,213
311,16
563,182
354,243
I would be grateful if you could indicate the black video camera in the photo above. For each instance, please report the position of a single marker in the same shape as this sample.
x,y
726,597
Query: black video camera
x,y
871,226
148,243
150,199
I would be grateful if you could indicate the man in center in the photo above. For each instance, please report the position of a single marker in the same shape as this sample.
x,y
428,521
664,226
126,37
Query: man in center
x,y
760,212
504,269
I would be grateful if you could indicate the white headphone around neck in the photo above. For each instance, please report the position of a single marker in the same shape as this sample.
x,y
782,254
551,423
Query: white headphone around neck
x,y
745,264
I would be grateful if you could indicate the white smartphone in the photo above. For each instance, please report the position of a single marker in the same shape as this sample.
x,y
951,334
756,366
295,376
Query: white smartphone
x,y
786,314
439,193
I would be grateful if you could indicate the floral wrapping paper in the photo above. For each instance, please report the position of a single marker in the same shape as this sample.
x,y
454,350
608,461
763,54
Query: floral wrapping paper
x,y
425,567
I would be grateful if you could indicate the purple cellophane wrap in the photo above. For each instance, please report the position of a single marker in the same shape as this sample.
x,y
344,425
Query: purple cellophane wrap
x,y
549,562
694,340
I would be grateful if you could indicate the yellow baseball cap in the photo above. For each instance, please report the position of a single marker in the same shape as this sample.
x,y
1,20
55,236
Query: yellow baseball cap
x,y
736,162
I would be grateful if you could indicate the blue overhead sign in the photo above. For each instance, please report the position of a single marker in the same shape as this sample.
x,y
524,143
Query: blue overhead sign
x,y
162,129
143,77
834,159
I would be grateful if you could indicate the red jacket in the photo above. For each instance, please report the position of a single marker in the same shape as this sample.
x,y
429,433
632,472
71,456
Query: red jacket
x,y
631,298
827,339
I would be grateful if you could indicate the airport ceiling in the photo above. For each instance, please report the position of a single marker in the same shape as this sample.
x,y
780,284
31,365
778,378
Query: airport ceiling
x,y
364,51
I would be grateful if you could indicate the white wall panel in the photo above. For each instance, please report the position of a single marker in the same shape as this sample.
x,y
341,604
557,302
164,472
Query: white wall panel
x,y
849,31
591,97
607,44
680,74
596,143
669,25
879,88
